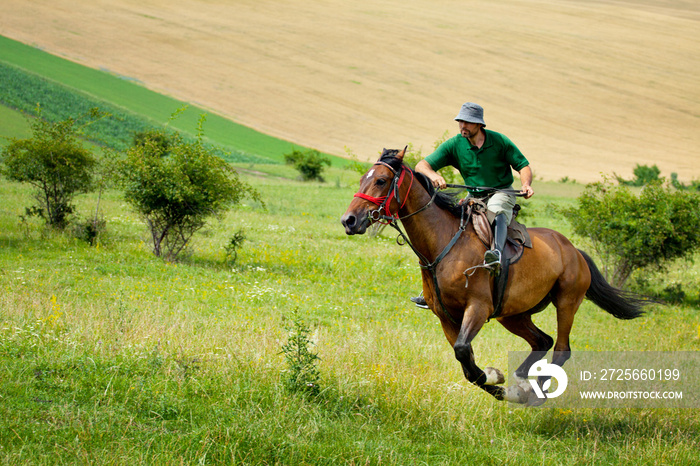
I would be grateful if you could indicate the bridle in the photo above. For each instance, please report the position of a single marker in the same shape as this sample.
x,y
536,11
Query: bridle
x,y
392,219
384,202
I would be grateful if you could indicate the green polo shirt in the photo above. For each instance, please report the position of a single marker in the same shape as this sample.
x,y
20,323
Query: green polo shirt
x,y
489,166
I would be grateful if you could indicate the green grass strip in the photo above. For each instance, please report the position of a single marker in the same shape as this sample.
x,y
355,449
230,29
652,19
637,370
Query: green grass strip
x,y
22,90
127,95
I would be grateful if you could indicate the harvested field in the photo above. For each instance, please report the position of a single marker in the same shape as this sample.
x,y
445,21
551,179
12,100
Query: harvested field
x,y
582,87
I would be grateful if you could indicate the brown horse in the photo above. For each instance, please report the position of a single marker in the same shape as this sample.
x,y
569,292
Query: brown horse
x,y
552,271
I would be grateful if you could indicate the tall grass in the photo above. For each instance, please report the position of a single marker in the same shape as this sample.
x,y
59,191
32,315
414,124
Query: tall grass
x,y
110,355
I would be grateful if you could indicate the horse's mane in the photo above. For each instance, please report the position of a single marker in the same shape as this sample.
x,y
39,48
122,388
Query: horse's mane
x,y
446,200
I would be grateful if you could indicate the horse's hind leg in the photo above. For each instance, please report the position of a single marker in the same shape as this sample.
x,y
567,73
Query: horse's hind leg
x,y
567,298
566,309
522,326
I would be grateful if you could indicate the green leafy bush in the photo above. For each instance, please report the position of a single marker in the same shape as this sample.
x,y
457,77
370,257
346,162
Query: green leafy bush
x,y
309,163
55,162
177,186
643,175
631,232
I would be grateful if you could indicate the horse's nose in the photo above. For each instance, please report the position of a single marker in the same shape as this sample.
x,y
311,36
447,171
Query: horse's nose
x,y
349,221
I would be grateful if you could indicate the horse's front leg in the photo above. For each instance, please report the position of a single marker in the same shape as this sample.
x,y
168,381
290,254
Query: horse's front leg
x,y
474,318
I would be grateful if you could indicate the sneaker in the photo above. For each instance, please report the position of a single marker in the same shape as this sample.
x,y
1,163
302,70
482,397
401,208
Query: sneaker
x,y
420,302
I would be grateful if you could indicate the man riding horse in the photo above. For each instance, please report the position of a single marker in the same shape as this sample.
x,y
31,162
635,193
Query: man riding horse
x,y
448,240
485,159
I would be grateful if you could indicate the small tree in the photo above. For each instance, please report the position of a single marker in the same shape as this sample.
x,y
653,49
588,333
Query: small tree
x,y
55,162
631,232
309,163
177,186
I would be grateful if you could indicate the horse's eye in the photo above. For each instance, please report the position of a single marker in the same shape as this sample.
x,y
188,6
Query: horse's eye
x,y
381,182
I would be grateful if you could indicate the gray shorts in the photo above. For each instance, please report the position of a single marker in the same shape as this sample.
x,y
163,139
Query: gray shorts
x,y
501,203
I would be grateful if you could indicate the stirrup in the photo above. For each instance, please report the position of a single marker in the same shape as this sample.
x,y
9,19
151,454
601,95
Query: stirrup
x,y
420,301
492,259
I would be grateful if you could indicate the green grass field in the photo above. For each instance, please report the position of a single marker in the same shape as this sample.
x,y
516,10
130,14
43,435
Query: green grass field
x,y
108,355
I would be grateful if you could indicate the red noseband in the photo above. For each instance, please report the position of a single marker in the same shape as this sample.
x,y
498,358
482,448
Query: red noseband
x,y
386,200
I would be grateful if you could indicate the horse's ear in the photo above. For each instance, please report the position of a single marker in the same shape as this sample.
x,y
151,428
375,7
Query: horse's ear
x,y
401,153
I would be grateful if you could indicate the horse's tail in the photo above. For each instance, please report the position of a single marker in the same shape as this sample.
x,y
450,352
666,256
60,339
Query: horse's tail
x,y
619,303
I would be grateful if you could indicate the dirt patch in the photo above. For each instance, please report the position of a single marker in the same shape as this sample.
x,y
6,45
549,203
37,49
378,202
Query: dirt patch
x,y
581,87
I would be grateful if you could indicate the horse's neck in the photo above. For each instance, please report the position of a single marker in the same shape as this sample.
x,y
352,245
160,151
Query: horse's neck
x,y
430,230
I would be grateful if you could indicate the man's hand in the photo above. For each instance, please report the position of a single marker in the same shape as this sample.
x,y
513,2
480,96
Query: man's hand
x,y
435,178
438,181
525,180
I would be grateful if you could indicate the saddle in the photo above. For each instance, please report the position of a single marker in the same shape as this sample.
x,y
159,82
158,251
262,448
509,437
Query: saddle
x,y
517,240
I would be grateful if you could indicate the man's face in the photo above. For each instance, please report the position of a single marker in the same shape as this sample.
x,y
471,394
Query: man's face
x,y
468,130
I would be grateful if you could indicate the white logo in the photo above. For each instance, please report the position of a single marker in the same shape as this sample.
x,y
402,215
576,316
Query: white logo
x,y
543,369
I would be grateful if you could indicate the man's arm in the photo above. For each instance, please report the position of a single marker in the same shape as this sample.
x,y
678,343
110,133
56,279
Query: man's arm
x,y
525,181
435,178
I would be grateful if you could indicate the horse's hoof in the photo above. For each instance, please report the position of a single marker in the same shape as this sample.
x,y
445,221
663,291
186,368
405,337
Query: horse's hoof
x,y
515,394
494,376
534,400
522,393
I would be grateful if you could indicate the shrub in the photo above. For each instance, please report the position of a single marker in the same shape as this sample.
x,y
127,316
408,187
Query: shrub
x,y
233,245
177,186
89,230
55,162
631,232
643,175
693,186
354,164
303,375
309,163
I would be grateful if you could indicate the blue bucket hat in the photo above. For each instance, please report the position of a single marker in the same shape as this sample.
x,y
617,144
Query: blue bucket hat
x,y
471,113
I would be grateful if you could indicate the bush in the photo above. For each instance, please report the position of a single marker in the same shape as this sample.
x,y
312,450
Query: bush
x,y
89,230
55,162
643,175
309,163
693,186
631,232
177,186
